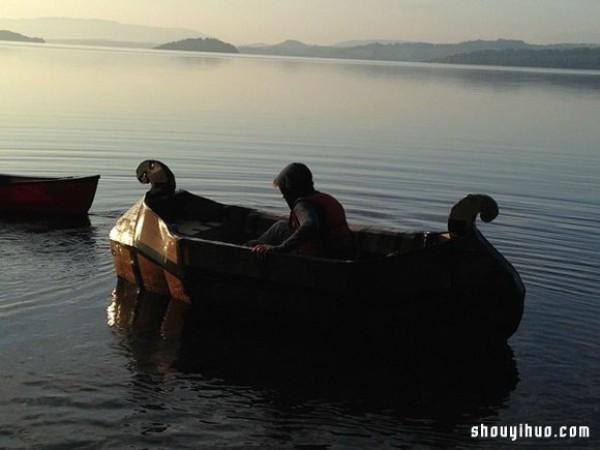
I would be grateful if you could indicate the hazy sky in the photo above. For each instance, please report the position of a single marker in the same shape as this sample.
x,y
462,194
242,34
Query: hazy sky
x,y
330,21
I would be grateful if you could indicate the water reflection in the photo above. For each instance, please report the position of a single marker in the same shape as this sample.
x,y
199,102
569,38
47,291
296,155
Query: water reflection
x,y
153,325
46,223
143,313
451,386
42,259
32,238
497,78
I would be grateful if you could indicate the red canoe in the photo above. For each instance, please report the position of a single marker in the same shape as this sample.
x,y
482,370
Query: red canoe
x,y
47,196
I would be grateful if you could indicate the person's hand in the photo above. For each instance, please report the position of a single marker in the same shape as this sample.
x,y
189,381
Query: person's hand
x,y
261,250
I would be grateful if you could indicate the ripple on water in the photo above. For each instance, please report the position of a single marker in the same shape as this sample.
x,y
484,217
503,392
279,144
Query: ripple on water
x,y
45,266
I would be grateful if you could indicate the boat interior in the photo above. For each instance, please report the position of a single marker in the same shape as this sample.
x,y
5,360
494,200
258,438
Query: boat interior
x,y
197,217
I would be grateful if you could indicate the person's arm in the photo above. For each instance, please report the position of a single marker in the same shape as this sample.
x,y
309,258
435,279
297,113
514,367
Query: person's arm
x,y
308,229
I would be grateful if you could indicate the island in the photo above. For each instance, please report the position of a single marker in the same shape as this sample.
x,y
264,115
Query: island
x,y
6,35
199,45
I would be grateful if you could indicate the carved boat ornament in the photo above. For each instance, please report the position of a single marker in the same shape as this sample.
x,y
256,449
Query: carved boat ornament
x,y
464,213
158,175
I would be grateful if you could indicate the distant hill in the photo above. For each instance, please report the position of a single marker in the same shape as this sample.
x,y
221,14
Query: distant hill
x,y
500,52
6,35
106,32
574,58
200,45
356,43
396,51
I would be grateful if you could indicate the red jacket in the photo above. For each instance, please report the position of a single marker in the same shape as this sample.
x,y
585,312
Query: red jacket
x,y
335,238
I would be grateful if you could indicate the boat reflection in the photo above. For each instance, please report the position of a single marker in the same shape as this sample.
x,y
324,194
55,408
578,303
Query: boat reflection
x,y
40,263
152,326
455,385
47,222
142,312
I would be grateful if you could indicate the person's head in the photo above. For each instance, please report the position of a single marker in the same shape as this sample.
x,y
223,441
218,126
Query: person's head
x,y
294,181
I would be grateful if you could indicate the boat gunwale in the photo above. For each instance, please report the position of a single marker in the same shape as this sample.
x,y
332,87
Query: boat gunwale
x,y
446,244
20,180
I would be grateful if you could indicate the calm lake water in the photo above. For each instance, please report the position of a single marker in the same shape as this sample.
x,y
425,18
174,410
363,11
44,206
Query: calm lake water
x,y
397,143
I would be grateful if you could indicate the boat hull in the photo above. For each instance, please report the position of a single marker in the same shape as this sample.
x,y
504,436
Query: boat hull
x,y
47,196
461,287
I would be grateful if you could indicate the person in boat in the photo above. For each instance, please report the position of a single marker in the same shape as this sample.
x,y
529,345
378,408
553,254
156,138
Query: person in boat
x,y
317,223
